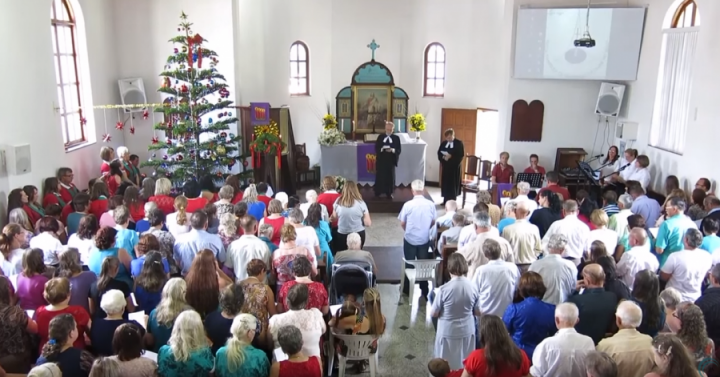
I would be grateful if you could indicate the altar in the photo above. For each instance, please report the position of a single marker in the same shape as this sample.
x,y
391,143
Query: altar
x,y
356,161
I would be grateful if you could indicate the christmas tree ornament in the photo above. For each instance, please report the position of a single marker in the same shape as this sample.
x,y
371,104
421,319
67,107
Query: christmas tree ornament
x,y
184,49
119,125
165,157
223,135
176,51
229,114
210,120
232,136
155,141
106,138
180,157
154,174
221,150
154,155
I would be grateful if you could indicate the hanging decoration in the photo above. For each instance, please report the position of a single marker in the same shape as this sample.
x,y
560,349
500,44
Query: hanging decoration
x,y
145,114
106,138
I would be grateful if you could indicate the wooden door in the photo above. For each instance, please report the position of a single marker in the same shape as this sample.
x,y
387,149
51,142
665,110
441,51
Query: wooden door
x,y
464,122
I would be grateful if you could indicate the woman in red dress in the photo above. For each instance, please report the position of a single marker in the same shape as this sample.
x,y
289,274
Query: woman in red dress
x,y
191,190
234,182
51,193
317,294
162,197
298,364
115,177
134,203
18,199
98,198
106,155
32,194
274,219
499,357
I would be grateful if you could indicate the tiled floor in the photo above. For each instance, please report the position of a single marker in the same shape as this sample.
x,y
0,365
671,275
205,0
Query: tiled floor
x,y
407,344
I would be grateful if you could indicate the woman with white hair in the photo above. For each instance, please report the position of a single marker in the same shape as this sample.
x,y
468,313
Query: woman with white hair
x,y
508,216
162,318
306,235
275,219
132,172
45,370
187,353
354,252
224,204
311,196
239,357
162,197
228,229
102,330
256,208
143,225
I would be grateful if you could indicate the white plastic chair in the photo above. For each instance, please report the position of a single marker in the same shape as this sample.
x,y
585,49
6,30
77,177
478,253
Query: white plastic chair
x,y
358,348
424,271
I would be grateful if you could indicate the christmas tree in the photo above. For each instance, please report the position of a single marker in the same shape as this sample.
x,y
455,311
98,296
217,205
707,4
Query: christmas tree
x,y
197,115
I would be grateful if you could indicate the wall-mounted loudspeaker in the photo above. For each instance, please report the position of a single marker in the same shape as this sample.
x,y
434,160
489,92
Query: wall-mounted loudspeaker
x,y
17,159
610,99
132,92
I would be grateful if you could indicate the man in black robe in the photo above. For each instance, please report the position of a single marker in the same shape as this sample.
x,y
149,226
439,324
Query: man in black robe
x,y
451,154
387,150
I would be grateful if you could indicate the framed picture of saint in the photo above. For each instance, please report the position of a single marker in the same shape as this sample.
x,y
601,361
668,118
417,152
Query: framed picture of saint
x,y
372,107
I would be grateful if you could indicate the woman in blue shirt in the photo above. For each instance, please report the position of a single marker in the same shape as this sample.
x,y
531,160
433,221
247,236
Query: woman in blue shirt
x,y
150,281
530,320
256,208
104,242
162,318
126,238
238,358
187,353
322,229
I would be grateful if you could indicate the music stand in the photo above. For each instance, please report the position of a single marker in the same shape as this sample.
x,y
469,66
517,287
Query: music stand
x,y
534,179
588,172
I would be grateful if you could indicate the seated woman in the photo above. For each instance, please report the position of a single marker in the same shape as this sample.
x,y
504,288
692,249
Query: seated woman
x,y
693,332
55,211
146,244
187,353
224,204
372,323
143,225
30,286
612,283
84,239
317,294
51,193
47,240
99,199
646,293
16,327
309,321
11,240
107,280
255,207
162,318
234,182
275,219
162,197
128,349
672,358
18,216
102,331
259,301
299,363
312,197
193,193
62,349
204,280
238,357
147,189
125,238
284,256
57,294
531,320
228,229
218,323
609,237
150,282
81,281
134,203
178,222
105,244
18,199
508,360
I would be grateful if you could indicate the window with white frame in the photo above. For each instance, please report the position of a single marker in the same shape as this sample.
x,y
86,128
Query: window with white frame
x,y
434,75
299,69
671,112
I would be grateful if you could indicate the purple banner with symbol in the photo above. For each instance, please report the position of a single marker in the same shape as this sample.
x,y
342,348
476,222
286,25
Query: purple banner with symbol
x,y
366,162
503,191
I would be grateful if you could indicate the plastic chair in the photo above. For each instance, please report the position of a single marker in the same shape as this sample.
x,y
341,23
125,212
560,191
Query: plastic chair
x,y
424,271
358,348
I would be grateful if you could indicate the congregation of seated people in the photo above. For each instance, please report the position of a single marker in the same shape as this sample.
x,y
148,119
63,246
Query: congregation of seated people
x,y
135,278
603,285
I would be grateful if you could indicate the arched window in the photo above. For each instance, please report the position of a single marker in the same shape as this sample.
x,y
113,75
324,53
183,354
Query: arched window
x,y
64,40
299,69
671,111
434,82
686,15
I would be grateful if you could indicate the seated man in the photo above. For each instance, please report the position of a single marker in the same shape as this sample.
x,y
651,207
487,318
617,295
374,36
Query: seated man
x,y
534,167
632,350
564,353
596,305
446,220
452,235
468,232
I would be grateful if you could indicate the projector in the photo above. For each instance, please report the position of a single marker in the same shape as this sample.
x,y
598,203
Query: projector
x,y
585,41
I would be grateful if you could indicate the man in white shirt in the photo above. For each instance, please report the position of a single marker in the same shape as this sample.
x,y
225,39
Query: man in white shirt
x,y
626,166
473,251
417,218
558,274
564,353
576,231
196,240
619,221
636,259
246,248
523,236
495,281
468,233
523,189
452,234
685,270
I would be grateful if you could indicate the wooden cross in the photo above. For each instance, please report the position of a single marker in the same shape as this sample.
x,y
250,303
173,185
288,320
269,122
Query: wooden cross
x,y
373,46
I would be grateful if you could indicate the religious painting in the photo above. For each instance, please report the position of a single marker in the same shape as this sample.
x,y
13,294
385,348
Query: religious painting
x,y
344,111
399,108
372,107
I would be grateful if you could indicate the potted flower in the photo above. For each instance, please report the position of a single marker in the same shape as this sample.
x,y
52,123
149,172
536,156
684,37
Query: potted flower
x,y
417,124
339,183
330,135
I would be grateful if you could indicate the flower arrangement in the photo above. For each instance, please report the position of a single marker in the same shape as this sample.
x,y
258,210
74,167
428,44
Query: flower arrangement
x,y
266,139
339,183
329,121
330,137
417,122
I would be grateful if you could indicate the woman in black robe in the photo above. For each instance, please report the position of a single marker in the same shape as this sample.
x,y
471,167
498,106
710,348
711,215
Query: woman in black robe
x,y
450,154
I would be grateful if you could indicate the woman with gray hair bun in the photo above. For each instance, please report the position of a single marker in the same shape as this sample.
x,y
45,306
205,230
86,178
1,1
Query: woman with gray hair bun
x,y
306,235
298,363
311,197
228,229
103,329
224,204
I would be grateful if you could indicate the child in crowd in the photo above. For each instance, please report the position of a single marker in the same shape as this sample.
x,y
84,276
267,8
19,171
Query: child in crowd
x,y
440,368
711,241
98,199
82,208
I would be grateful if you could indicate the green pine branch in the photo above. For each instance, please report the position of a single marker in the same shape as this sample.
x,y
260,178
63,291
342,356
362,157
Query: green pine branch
x,y
182,57
199,110
189,125
194,91
189,76
193,145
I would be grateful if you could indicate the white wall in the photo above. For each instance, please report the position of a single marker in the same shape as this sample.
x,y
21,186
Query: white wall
x,y
27,104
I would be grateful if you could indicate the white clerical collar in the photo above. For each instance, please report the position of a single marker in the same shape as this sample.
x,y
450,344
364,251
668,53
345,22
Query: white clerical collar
x,y
66,186
449,144
387,139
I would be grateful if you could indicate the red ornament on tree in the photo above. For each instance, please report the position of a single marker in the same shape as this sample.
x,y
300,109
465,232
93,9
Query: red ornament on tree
x,y
184,88
119,125
155,140
106,138
179,157
168,141
223,135
165,157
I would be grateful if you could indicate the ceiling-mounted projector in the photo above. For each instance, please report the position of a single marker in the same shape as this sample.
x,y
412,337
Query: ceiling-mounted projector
x,y
586,40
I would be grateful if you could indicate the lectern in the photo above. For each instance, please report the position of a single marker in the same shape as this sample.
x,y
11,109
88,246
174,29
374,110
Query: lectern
x,y
566,166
